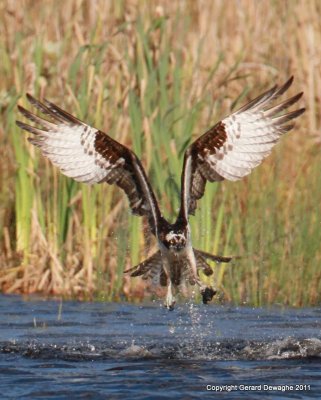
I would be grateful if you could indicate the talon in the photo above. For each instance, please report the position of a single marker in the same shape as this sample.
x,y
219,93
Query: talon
x,y
208,293
170,307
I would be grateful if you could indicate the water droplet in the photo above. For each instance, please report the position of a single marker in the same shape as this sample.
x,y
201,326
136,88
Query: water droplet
x,y
172,329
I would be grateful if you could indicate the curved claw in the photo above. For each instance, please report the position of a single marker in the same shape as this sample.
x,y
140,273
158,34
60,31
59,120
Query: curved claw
x,y
208,293
170,307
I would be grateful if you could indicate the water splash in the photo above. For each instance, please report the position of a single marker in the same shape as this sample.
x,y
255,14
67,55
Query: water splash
x,y
111,348
191,332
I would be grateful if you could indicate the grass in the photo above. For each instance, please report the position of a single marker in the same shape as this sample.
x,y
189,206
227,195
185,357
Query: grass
x,y
155,77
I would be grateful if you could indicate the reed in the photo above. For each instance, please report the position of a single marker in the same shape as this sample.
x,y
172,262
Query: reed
x,y
155,77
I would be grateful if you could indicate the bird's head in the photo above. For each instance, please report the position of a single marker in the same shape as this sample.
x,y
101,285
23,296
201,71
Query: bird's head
x,y
175,240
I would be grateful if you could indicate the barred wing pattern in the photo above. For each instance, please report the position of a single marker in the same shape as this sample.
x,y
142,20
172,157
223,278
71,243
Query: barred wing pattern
x,y
236,145
90,156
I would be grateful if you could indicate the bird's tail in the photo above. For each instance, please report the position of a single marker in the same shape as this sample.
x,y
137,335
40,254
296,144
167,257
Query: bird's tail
x,y
151,268
202,256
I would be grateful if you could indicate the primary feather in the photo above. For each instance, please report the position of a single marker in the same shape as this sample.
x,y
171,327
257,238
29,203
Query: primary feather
x,y
90,156
237,144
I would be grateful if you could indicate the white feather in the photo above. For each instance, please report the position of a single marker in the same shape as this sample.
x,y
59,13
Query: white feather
x,y
71,149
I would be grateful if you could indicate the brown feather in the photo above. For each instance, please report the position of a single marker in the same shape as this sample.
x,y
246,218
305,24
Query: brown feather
x,y
237,144
65,140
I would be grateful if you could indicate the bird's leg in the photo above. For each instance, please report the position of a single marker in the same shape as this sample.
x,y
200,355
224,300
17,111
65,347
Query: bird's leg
x,y
207,292
170,299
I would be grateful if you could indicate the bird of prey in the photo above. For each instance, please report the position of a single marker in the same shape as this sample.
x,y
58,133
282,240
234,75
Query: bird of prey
x,y
228,150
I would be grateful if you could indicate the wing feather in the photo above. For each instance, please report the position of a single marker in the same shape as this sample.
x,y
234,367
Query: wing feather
x,y
236,145
88,155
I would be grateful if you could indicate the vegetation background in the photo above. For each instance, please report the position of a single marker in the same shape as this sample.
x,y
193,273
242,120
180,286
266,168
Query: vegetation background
x,y
154,75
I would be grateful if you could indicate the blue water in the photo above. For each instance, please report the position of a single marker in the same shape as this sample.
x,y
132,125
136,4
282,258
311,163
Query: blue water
x,y
74,350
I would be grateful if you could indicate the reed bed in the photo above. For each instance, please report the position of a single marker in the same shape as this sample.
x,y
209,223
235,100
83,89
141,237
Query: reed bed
x,y
155,75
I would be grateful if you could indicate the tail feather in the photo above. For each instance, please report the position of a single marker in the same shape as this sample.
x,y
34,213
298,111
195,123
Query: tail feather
x,y
202,264
201,257
150,268
212,257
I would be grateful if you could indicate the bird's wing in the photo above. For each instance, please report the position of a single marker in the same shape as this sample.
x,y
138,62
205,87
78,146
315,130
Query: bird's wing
x,y
88,155
236,145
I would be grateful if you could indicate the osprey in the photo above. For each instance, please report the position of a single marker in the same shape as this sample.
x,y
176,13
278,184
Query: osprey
x,y
229,150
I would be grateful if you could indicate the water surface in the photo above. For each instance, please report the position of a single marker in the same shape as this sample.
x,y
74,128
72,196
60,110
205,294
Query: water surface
x,y
66,350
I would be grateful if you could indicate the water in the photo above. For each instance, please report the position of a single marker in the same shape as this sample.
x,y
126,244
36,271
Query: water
x,y
73,350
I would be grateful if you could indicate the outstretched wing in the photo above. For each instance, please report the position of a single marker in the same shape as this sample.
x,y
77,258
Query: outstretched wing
x,y
236,145
90,156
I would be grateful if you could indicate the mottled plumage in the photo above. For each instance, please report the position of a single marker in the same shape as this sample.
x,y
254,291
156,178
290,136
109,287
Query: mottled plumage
x,y
229,150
